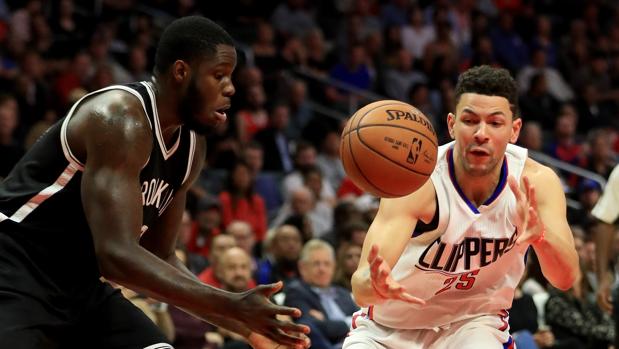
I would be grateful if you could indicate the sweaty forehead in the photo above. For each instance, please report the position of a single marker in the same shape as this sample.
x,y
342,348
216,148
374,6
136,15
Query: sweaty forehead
x,y
483,104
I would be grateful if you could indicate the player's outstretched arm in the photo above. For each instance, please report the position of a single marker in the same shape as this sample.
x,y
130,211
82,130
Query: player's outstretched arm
x,y
115,139
384,243
547,229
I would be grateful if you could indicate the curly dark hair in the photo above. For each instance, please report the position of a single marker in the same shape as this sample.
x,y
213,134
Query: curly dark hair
x,y
189,39
489,81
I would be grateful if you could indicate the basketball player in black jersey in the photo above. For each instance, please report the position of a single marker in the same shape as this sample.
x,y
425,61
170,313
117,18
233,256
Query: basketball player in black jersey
x,y
102,194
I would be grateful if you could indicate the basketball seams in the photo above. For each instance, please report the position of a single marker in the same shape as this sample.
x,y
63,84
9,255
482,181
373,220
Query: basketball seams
x,y
359,171
352,119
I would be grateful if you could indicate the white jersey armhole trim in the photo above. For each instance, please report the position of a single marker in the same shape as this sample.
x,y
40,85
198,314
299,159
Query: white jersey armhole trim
x,y
158,133
159,346
192,151
43,195
63,129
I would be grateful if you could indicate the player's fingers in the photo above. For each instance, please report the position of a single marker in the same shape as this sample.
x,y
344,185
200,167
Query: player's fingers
x,y
270,289
282,310
533,198
283,338
293,328
513,185
373,253
527,187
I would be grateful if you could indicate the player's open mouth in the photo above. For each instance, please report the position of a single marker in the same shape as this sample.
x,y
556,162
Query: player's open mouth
x,y
221,113
479,152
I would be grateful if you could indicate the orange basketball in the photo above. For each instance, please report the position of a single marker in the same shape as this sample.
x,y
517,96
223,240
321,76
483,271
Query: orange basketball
x,y
389,148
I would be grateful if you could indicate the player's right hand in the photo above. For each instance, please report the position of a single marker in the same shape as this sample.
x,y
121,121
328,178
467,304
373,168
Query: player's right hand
x,y
384,285
259,315
603,296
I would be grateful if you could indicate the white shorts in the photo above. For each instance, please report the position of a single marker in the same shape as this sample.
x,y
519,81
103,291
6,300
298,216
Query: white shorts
x,y
482,332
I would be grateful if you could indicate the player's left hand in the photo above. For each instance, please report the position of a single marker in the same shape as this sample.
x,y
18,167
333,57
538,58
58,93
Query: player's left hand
x,y
530,225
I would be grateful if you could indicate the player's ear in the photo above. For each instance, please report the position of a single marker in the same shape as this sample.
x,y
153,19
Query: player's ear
x,y
180,70
516,126
451,120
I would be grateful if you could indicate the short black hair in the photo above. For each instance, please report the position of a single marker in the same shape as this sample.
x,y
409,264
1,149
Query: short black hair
x,y
189,39
489,81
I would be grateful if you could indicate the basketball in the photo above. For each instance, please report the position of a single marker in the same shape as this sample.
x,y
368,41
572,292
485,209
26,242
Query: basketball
x,y
389,148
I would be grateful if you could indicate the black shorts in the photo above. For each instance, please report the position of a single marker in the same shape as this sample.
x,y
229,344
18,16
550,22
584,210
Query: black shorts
x,y
110,321
37,312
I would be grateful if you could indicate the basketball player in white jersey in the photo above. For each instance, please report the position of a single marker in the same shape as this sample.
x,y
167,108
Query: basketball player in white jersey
x,y
439,266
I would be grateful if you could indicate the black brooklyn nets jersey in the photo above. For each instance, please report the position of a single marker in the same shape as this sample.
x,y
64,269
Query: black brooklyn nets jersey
x,y
41,214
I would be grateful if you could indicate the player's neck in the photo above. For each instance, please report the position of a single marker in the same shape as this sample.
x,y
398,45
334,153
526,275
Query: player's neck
x,y
477,188
167,109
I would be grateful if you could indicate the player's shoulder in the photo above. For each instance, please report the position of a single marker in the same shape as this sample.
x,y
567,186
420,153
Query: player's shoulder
x,y
115,110
539,174
420,203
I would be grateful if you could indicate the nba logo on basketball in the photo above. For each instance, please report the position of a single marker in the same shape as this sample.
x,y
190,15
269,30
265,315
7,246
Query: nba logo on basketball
x,y
416,148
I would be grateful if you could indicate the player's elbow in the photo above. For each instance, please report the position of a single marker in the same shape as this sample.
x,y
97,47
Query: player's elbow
x,y
112,260
567,280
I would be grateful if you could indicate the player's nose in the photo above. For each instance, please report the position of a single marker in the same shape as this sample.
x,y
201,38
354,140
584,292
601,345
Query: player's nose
x,y
481,133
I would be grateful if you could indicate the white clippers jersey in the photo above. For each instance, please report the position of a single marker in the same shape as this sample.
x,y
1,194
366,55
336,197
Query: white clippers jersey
x,y
469,265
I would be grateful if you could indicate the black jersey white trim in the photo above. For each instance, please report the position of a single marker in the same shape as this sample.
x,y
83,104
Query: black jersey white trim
x,y
158,132
63,130
192,150
43,195
160,346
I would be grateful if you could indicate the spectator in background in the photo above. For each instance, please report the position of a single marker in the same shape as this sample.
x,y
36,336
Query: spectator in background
x,y
282,248
245,239
265,50
194,262
401,76
293,18
10,147
305,157
509,48
274,141
557,87
300,111
327,308
328,160
206,227
538,103
592,111
221,243
573,317
353,71
564,144
265,184
303,203
531,136
348,255
240,202
601,159
416,34
253,116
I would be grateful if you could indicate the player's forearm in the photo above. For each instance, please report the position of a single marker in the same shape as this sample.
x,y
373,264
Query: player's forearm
x,y
558,260
142,271
604,235
178,264
362,290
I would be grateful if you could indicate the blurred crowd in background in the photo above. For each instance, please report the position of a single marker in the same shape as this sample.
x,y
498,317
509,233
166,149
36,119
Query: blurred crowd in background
x,y
273,202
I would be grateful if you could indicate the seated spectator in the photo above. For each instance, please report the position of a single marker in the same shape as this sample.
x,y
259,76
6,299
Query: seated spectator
x,y
221,243
531,136
253,116
245,239
265,184
239,202
206,226
329,162
195,262
573,316
305,157
282,247
10,148
233,269
326,308
274,141
303,203
348,256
